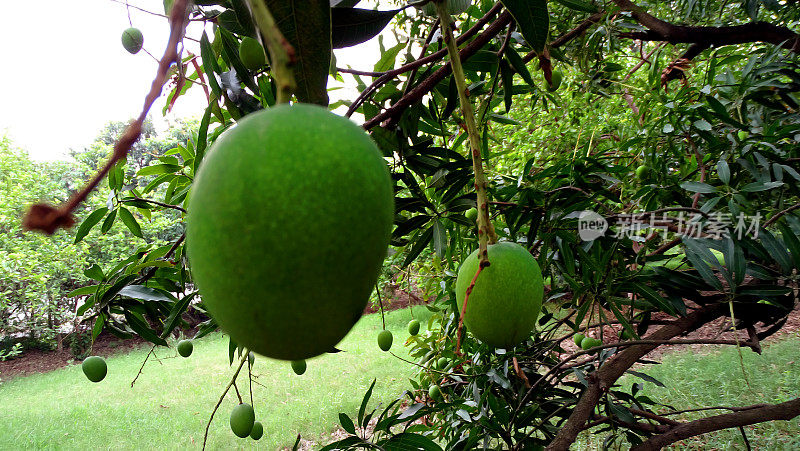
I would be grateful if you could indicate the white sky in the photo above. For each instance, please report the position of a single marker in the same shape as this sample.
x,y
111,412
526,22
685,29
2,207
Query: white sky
x,y
66,73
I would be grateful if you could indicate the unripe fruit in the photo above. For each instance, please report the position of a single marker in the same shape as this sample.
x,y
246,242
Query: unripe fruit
x,y
242,420
385,340
435,392
299,367
252,53
472,214
589,343
94,368
578,338
454,7
132,40
507,297
643,172
743,135
555,80
258,431
442,363
288,223
413,327
185,348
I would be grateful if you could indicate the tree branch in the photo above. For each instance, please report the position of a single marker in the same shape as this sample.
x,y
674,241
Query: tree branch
x,y
605,377
746,416
660,30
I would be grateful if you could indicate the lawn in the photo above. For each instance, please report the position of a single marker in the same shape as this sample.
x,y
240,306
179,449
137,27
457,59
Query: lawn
x,y
715,378
170,404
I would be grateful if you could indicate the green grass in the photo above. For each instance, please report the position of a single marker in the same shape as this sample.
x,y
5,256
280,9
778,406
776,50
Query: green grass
x,y
715,378
170,404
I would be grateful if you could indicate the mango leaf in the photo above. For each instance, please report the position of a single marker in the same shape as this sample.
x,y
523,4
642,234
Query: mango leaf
x,y
127,218
578,5
88,223
98,325
410,441
144,293
533,20
210,65
351,26
698,187
306,24
139,325
347,423
94,272
422,242
364,402
519,66
109,221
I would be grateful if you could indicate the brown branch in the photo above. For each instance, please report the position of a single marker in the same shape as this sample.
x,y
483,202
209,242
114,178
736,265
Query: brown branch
x,y
570,35
779,214
426,86
660,30
751,415
604,378
47,218
388,75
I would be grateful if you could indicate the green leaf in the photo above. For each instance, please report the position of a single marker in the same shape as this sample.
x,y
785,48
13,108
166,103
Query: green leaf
x,y
306,24
144,293
507,75
178,308
698,187
88,223
533,20
162,168
776,249
232,346
109,221
210,65
439,239
140,327
94,272
347,423
127,218
724,171
578,5
421,243
98,325
791,241
760,186
694,253
519,66
83,291
351,26
646,377
703,125
388,57
364,402
407,441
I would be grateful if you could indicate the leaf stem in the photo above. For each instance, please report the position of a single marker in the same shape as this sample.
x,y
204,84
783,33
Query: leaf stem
x,y
281,52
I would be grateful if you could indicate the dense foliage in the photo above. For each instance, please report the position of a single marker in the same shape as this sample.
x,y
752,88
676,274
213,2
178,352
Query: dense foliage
x,y
684,140
38,273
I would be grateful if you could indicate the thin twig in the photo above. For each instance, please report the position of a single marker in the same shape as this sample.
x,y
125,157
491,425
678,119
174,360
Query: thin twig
x,y
142,367
225,392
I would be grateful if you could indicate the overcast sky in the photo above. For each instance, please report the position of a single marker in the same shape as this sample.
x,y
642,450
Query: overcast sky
x,y
66,74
